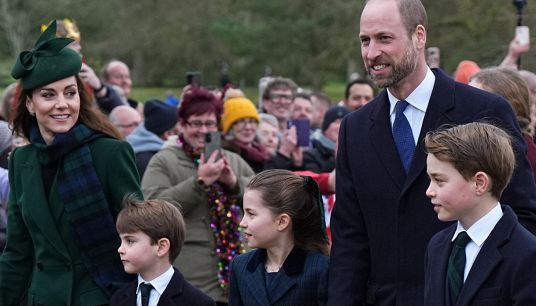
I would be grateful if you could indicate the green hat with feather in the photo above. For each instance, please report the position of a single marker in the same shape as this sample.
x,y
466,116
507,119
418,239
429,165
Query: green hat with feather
x,y
48,61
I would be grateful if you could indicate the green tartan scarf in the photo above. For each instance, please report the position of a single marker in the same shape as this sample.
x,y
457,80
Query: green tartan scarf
x,y
85,204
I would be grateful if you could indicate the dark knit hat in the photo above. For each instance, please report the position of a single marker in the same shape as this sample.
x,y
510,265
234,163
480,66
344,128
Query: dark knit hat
x,y
334,113
159,116
48,61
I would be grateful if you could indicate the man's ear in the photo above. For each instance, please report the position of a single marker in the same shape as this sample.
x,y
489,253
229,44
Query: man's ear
x,y
163,246
482,182
420,37
283,222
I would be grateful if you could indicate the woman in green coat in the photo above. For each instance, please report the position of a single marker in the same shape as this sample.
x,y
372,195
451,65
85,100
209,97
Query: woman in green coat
x,y
66,186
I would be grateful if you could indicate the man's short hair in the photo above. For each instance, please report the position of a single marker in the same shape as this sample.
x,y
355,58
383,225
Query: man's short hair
x,y
475,147
320,98
413,14
303,95
105,71
279,83
157,219
358,81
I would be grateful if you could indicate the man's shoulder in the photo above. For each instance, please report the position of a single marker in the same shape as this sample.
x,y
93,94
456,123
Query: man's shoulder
x,y
359,115
445,85
465,90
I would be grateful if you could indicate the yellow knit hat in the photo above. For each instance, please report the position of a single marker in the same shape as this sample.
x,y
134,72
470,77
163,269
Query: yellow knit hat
x,y
235,109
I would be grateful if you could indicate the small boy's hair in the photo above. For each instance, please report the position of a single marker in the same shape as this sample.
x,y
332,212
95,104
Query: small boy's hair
x,y
475,147
157,219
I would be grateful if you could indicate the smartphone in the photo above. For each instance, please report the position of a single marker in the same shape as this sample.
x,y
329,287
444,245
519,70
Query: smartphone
x,y
302,129
212,143
523,35
193,78
432,57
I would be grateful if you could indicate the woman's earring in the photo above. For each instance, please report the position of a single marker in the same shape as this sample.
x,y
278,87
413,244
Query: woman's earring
x,y
32,114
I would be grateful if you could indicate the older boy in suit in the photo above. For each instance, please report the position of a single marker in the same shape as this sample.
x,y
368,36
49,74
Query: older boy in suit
x,y
487,257
152,234
383,220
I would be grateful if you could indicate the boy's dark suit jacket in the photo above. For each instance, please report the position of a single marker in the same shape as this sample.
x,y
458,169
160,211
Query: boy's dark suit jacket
x,y
178,292
383,220
303,281
504,272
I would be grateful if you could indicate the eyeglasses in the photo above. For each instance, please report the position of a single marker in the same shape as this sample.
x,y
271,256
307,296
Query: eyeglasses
x,y
242,123
210,124
281,98
128,126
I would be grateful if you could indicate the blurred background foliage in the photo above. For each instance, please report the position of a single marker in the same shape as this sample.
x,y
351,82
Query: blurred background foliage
x,y
313,42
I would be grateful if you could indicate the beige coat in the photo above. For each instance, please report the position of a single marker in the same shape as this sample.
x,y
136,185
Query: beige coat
x,y
172,176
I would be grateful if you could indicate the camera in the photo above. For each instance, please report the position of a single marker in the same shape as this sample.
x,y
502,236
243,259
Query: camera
x,y
193,78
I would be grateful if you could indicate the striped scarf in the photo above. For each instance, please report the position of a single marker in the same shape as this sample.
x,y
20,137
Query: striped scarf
x,y
84,201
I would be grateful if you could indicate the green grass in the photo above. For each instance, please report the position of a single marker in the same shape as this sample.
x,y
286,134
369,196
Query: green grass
x,y
335,91
142,94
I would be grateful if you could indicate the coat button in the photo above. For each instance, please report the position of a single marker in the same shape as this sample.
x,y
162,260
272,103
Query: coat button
x,y
39,266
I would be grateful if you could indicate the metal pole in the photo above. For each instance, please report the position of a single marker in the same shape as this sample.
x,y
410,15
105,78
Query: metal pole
x,y
519,4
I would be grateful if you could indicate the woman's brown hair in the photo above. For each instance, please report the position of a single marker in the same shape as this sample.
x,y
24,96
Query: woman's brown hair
x,y
89,115
508,84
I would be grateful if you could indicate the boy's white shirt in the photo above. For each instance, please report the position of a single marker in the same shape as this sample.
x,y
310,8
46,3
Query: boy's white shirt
x,y
478,233
159,284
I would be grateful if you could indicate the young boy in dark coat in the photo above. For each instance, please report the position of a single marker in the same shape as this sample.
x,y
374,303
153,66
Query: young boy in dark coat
x,y
486,257
152,234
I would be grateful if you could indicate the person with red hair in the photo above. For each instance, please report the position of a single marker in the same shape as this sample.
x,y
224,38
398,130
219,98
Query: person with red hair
x,y
207,189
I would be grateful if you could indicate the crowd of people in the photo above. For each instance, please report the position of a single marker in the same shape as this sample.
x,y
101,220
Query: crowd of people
x,y
422,193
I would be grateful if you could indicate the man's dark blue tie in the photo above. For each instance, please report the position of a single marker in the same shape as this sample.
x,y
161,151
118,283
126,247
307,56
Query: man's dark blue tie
x,y
145,289
403,135
456,266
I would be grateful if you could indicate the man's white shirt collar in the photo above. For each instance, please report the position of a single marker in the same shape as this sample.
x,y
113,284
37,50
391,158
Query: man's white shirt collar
x,y
418,98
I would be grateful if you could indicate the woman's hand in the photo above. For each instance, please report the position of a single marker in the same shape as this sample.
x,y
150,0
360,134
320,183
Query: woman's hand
x,y
210,171
227,177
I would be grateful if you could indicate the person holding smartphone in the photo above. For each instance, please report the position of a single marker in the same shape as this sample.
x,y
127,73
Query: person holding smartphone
x,y
519,45
206,188
296,137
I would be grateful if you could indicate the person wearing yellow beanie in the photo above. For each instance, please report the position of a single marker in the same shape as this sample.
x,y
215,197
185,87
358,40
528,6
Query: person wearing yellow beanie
x,y
239,124
236,109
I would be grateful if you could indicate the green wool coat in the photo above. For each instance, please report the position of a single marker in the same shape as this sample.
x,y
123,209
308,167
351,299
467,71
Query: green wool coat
x,y
172,175
41,254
